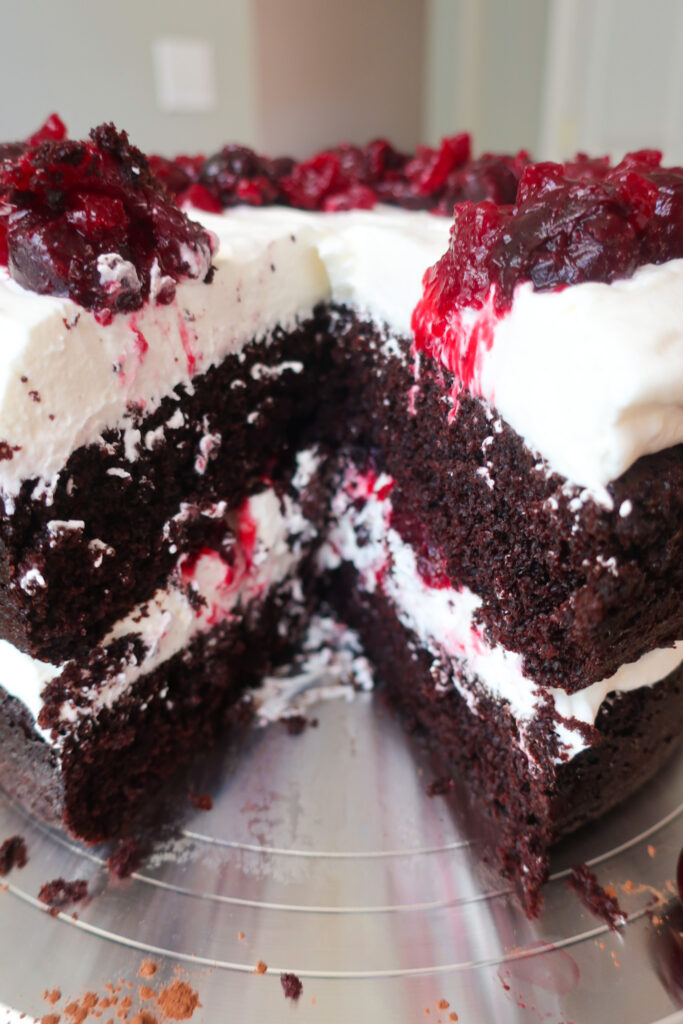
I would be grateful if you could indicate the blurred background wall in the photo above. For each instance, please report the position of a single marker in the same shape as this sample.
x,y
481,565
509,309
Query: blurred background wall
x,y
296,75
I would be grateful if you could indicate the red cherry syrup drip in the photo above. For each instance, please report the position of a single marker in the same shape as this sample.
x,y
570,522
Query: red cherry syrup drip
x,y
581,221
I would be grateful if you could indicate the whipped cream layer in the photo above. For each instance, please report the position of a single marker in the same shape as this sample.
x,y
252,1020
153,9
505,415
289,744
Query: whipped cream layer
x,y
590,376
65,378
374,259
269,537
443,619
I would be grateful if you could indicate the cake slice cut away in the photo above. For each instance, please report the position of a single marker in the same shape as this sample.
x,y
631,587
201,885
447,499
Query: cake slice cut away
x,y
483,476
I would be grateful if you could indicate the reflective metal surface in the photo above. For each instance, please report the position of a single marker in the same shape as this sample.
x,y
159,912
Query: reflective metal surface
x,y
323,856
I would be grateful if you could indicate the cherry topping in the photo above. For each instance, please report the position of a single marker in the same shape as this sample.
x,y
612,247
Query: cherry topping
x,y
238,175
428,171
344,178
90,221
582,221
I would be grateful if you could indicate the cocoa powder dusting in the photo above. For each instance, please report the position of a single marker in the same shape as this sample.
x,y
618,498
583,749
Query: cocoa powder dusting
x,y
78,1010
178,1001
147,969
123,1008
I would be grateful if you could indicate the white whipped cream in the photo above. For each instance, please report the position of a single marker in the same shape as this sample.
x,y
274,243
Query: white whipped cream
x,y
278,534
590,376
81,377
443,618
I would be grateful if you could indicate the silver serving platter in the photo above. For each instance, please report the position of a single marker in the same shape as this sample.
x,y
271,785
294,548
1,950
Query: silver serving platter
x,y
323,856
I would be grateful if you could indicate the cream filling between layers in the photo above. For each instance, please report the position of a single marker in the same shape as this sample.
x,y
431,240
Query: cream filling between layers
x,y
443,619
270,536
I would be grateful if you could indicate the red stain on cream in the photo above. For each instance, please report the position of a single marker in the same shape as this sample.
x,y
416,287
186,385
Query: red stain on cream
x,y
187,345
141,345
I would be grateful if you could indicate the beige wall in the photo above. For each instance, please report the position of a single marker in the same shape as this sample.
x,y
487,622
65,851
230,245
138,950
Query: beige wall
x,y
329,71
292,75
485,71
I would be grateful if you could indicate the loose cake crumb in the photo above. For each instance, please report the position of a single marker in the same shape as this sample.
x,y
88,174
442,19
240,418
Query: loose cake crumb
x,y
58,893
12,854
146,992
296,724
52,996
125,860
439,787
599,901
261,967
178,1001
291,986
443,1004
123,1007
50,1018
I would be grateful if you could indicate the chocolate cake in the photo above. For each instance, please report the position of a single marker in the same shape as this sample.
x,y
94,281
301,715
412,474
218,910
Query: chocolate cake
x,y
208,429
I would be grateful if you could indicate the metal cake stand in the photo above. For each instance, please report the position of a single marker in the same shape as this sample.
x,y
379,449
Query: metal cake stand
x,y
323,856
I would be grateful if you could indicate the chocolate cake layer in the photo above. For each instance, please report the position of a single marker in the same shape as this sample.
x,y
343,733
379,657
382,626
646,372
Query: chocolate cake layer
x,y
111,764
575,588
74,561
532,807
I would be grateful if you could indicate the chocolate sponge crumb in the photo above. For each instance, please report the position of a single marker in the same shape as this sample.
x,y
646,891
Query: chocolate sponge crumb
x,y
125,859
58,893
12,854
595,898
291,986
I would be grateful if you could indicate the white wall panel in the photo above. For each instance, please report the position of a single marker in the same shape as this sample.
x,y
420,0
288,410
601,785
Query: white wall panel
x,y
91,60
614,77
485,70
